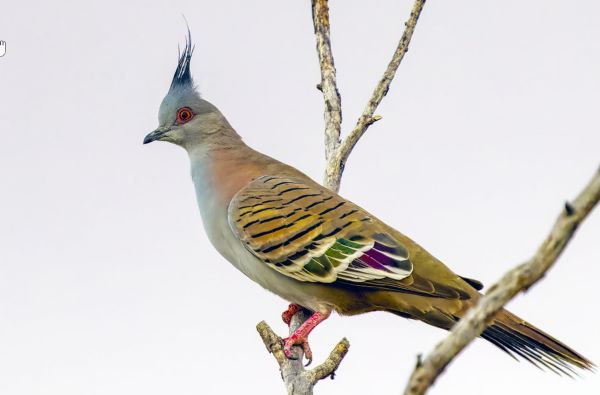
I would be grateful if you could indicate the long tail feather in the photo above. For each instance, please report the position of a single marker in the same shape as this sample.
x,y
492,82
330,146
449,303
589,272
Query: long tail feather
x,y
518,337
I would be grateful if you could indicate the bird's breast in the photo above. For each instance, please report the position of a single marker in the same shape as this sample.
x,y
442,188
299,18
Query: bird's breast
x,y
213,197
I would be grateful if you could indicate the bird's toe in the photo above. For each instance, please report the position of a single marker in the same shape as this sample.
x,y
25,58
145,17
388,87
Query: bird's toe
x,y
290,342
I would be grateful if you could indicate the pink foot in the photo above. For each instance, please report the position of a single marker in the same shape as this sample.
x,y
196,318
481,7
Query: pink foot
x,y
300,336
292,341
287,315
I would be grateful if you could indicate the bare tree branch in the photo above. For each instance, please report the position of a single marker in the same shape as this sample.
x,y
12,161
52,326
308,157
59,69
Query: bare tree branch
x,y
516,280
336,161
328,368
299,381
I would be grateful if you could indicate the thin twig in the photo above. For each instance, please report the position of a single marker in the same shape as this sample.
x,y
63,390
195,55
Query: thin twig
x,y
337,162
328,368
516,280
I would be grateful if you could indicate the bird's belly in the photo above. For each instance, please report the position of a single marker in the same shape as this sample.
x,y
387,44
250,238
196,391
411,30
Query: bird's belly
x,y
315,296
310,295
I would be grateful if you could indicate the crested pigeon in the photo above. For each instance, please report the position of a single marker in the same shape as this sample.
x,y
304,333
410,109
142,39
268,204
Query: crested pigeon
x,y
316,249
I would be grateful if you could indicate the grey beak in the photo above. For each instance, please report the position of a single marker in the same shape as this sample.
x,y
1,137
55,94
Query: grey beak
x,y
156,135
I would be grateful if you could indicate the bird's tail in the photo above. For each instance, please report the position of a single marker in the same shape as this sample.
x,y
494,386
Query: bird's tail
x,y
516,336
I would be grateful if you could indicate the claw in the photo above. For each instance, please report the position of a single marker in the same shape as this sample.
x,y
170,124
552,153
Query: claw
x,y
300,336
297,340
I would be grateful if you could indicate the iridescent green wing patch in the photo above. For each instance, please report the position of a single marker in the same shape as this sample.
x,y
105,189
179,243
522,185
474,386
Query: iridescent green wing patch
x,y
311,234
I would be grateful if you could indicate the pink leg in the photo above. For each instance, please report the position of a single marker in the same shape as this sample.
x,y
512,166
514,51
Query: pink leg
x,y
300,336
287,315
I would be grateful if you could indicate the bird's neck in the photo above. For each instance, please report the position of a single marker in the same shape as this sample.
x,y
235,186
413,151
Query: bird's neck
x,y
219,172
222,170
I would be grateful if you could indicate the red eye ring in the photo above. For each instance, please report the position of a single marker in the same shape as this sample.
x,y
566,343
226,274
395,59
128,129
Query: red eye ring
x,y
184,114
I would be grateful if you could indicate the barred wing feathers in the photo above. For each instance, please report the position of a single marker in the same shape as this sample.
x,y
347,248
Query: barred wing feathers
x,y
311,234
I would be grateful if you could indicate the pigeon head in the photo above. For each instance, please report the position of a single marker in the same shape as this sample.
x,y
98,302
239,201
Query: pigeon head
x,y
184,117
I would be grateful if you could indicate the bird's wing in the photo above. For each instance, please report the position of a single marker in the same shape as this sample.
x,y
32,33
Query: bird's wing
x,y
311,234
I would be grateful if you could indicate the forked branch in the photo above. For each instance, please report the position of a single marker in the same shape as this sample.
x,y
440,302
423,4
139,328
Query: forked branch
x,y
337,156
297,380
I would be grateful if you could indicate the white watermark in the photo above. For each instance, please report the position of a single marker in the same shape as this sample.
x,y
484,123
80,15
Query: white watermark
x,y
2,48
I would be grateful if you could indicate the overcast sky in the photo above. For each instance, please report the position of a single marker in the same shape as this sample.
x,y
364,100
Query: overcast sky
x,y
108,284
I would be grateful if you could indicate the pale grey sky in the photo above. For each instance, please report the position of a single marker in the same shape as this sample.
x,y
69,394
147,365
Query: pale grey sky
x,y
108,284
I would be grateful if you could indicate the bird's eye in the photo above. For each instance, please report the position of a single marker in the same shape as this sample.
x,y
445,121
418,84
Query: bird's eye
x,y
184,114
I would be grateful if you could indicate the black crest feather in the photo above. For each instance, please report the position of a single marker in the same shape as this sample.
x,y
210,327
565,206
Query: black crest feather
x,y
182,76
